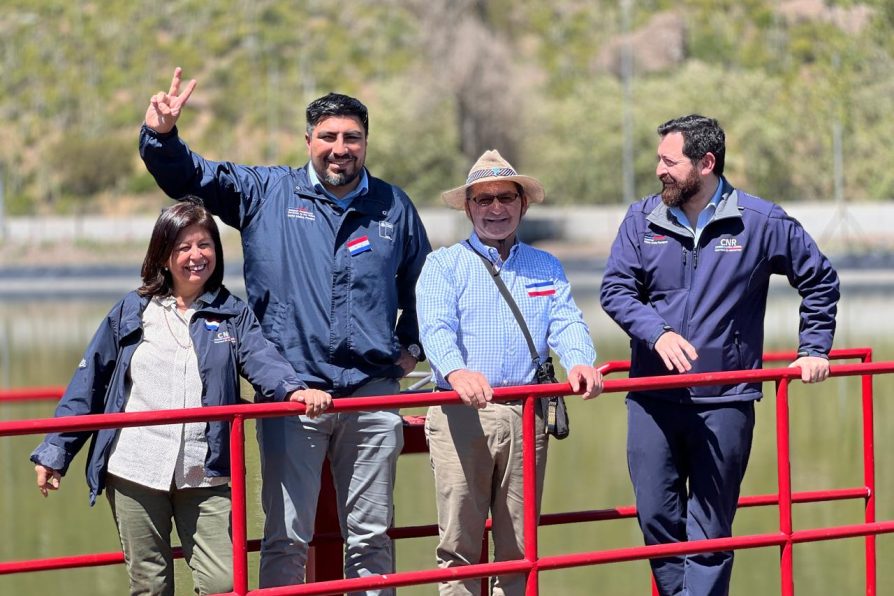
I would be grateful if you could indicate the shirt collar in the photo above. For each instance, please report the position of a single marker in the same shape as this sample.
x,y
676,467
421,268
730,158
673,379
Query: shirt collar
x,y
705,216
489,251
203,300
361,189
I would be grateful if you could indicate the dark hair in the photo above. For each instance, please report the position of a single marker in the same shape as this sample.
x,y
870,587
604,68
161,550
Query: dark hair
x,y
701,135
336,104
173,220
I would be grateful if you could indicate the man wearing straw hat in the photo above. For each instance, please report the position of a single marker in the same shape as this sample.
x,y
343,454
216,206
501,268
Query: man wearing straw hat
x,y
475,343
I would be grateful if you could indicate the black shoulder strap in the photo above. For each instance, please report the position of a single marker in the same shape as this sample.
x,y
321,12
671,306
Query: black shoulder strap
x,y
495,275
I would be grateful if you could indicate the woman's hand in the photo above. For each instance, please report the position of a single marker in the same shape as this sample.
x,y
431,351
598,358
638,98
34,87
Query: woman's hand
x,y
315,400
47,479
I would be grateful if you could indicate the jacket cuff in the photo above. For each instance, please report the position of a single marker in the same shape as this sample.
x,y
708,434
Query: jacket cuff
x,y
286,387
159,135
51,456
804,353
654,339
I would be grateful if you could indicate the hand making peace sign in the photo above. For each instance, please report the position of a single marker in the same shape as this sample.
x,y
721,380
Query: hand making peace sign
x,y
164,108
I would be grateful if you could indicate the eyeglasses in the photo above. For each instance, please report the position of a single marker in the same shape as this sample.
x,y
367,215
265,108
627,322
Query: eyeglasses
x,y
506,198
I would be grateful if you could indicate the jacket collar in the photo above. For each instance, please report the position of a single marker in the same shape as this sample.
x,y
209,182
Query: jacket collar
x,y
727,207
219,302
370,203
132,314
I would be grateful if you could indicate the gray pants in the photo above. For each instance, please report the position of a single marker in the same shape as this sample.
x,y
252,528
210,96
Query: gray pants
x,y
362,448
144,518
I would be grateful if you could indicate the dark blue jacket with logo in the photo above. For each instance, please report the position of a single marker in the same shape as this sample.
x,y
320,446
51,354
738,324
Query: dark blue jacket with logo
x,y
325,297
228,343
714,294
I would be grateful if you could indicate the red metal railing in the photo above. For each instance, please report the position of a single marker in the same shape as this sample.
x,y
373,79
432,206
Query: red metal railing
x,y
785,539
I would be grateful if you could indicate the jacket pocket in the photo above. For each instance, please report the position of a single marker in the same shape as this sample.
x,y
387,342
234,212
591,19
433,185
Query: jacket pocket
x,y
665,266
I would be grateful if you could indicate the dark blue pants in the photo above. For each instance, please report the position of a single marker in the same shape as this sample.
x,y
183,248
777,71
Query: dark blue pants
x,y
707,446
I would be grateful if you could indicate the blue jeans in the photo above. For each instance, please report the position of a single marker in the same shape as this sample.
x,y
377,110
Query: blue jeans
x,y
362,448
670,445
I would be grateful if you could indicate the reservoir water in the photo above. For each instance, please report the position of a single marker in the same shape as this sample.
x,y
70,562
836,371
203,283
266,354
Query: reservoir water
x,y
41,341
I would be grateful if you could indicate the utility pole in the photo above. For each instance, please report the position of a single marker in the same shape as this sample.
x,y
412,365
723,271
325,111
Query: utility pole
x,y
627,165
2,203
842,222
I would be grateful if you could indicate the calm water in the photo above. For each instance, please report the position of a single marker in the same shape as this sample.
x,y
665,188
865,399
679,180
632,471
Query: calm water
x,y
41,342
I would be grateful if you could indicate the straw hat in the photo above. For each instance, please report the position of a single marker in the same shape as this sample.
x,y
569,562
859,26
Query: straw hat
x,y
491,167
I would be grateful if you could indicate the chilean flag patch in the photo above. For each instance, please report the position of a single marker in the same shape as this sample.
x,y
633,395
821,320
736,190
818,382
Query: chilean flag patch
x,y
541,288
359,245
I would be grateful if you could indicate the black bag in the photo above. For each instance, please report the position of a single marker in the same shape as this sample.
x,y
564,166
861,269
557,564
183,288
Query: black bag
x,y
556,415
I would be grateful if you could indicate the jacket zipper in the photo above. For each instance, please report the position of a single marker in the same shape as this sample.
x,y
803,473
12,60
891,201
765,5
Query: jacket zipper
x,y
688,274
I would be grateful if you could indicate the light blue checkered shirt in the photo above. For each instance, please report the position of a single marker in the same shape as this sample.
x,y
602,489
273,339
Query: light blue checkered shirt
x,y
464,322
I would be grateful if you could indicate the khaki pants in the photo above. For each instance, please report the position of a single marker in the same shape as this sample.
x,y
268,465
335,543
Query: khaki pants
x,y
144,518
476,456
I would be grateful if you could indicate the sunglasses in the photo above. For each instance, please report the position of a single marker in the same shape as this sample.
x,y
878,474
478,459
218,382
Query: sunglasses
x,y
506,198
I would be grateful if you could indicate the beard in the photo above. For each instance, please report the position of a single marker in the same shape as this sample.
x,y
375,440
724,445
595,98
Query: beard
x,y
341,179
678,193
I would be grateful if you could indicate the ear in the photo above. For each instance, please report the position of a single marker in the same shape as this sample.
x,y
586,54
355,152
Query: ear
x,y
468,211
707,163
307,140
524,208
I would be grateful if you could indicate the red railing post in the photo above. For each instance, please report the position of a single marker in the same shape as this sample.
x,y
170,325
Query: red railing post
x,y
237,490
869,473
784,474
529,488
484,588
532,564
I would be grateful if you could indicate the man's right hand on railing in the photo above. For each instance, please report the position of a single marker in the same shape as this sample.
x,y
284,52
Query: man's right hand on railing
x,y
814,369
472,387
315,401
47,479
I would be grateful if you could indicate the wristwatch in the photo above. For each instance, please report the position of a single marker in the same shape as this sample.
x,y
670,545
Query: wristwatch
x,y
415,351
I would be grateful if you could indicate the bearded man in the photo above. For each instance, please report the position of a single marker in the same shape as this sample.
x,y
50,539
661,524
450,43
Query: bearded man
x,y
332,255
687,280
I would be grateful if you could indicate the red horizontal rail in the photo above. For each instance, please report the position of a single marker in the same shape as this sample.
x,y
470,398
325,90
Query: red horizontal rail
x,y
781,539
636,553
404,578
612,366
31,394
264,410
427,530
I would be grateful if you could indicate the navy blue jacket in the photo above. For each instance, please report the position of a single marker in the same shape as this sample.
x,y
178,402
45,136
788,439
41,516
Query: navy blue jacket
x,y
714,294
228,343
331,311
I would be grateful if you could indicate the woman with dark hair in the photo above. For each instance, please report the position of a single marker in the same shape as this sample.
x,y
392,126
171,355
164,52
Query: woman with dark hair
x,y
179,341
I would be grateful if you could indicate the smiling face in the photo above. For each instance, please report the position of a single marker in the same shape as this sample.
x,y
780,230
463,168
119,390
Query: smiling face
x,y
337,150
192,261
681,179
495,223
